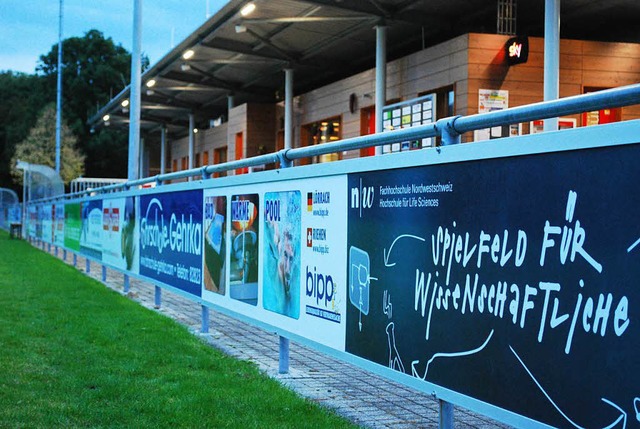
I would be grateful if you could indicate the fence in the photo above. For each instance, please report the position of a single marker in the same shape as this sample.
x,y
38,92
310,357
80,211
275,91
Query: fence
x,y
499,276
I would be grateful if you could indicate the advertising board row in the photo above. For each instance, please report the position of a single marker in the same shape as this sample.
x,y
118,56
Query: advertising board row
x,y
509,281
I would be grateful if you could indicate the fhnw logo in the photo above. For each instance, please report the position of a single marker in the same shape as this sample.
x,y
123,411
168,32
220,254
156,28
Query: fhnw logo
x,y
362,197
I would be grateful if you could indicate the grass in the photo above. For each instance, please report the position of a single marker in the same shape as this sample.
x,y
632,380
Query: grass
x,y
76,354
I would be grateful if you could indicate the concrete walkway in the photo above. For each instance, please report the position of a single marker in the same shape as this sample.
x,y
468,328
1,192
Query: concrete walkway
x,y
363,398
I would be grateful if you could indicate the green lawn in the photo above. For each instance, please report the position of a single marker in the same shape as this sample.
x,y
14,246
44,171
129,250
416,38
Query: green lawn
x,y
76,354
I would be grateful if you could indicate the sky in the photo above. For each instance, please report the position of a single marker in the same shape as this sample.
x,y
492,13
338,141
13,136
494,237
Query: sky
x,y
29,28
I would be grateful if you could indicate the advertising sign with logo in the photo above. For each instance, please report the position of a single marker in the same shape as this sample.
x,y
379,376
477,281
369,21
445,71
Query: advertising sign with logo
x,y
46,220
215,242
243,264
72,226
171,239
323,255
519,290
120,240
281,253
58,224
91,230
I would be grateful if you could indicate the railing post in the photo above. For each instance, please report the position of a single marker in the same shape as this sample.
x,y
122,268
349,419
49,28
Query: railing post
x,y
283,355
55,251
75,260
283,352
158,297
64,255
446,415
448,132
204,329
104,273
87,265
126,283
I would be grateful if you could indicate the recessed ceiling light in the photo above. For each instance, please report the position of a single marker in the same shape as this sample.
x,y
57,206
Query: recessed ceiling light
x,y
247,9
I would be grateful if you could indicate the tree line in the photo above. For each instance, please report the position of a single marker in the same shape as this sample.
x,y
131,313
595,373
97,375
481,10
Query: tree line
x,y
94,69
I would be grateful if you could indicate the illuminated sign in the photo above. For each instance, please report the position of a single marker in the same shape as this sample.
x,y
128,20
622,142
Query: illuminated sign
x,y
517,50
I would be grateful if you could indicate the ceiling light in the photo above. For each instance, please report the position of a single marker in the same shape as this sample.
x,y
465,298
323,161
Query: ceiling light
x,y
188,54
195,131
151,83
150,92
106,117
247,9
240,28
185,67
124,103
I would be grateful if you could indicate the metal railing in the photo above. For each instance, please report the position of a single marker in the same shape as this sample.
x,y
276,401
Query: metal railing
x,y
450,129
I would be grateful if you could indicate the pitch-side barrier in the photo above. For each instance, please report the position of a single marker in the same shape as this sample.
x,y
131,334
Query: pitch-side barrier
x,y
500,276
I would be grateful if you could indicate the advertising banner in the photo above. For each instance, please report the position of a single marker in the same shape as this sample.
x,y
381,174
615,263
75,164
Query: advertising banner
x,y
281,250
91,230
215,242
243,263
72,226
120,236
46,220
507,280
58,224
32,221
171,239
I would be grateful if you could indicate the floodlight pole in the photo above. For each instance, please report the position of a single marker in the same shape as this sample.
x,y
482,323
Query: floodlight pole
x,y
134,99
59,94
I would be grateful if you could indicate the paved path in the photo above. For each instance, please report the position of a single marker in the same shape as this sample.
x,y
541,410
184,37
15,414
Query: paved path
x,y
366,399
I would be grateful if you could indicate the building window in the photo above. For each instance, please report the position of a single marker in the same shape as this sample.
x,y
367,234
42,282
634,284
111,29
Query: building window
x,y
174,165
197,160
184,163
325,131
205,158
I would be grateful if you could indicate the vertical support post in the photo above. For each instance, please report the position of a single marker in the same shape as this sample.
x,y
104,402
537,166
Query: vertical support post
x,y
204,329
288,108
64,255
87,265
551,57
283,356
55,251
59,93
49,247
163,149
126,283
381,77
283,350
158,297
191,141
75,260
134,102
104,273
446,415
141,164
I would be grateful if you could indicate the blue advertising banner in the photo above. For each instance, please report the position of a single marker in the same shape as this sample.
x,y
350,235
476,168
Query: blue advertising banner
x,y
171,239
513,281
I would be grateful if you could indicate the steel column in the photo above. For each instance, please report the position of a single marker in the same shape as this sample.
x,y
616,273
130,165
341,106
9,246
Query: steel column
x,y
75,260
381,77
134,99
127,285
283,355
288,108
157,297
446,415
104,273
87,265
204,329
551,57
192,125
163,149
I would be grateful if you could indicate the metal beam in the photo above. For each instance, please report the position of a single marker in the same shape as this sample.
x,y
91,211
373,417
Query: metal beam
x,y
301,19
241,48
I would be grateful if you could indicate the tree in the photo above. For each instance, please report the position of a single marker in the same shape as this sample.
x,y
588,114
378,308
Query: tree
x,y
23,97
39,147
94,70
